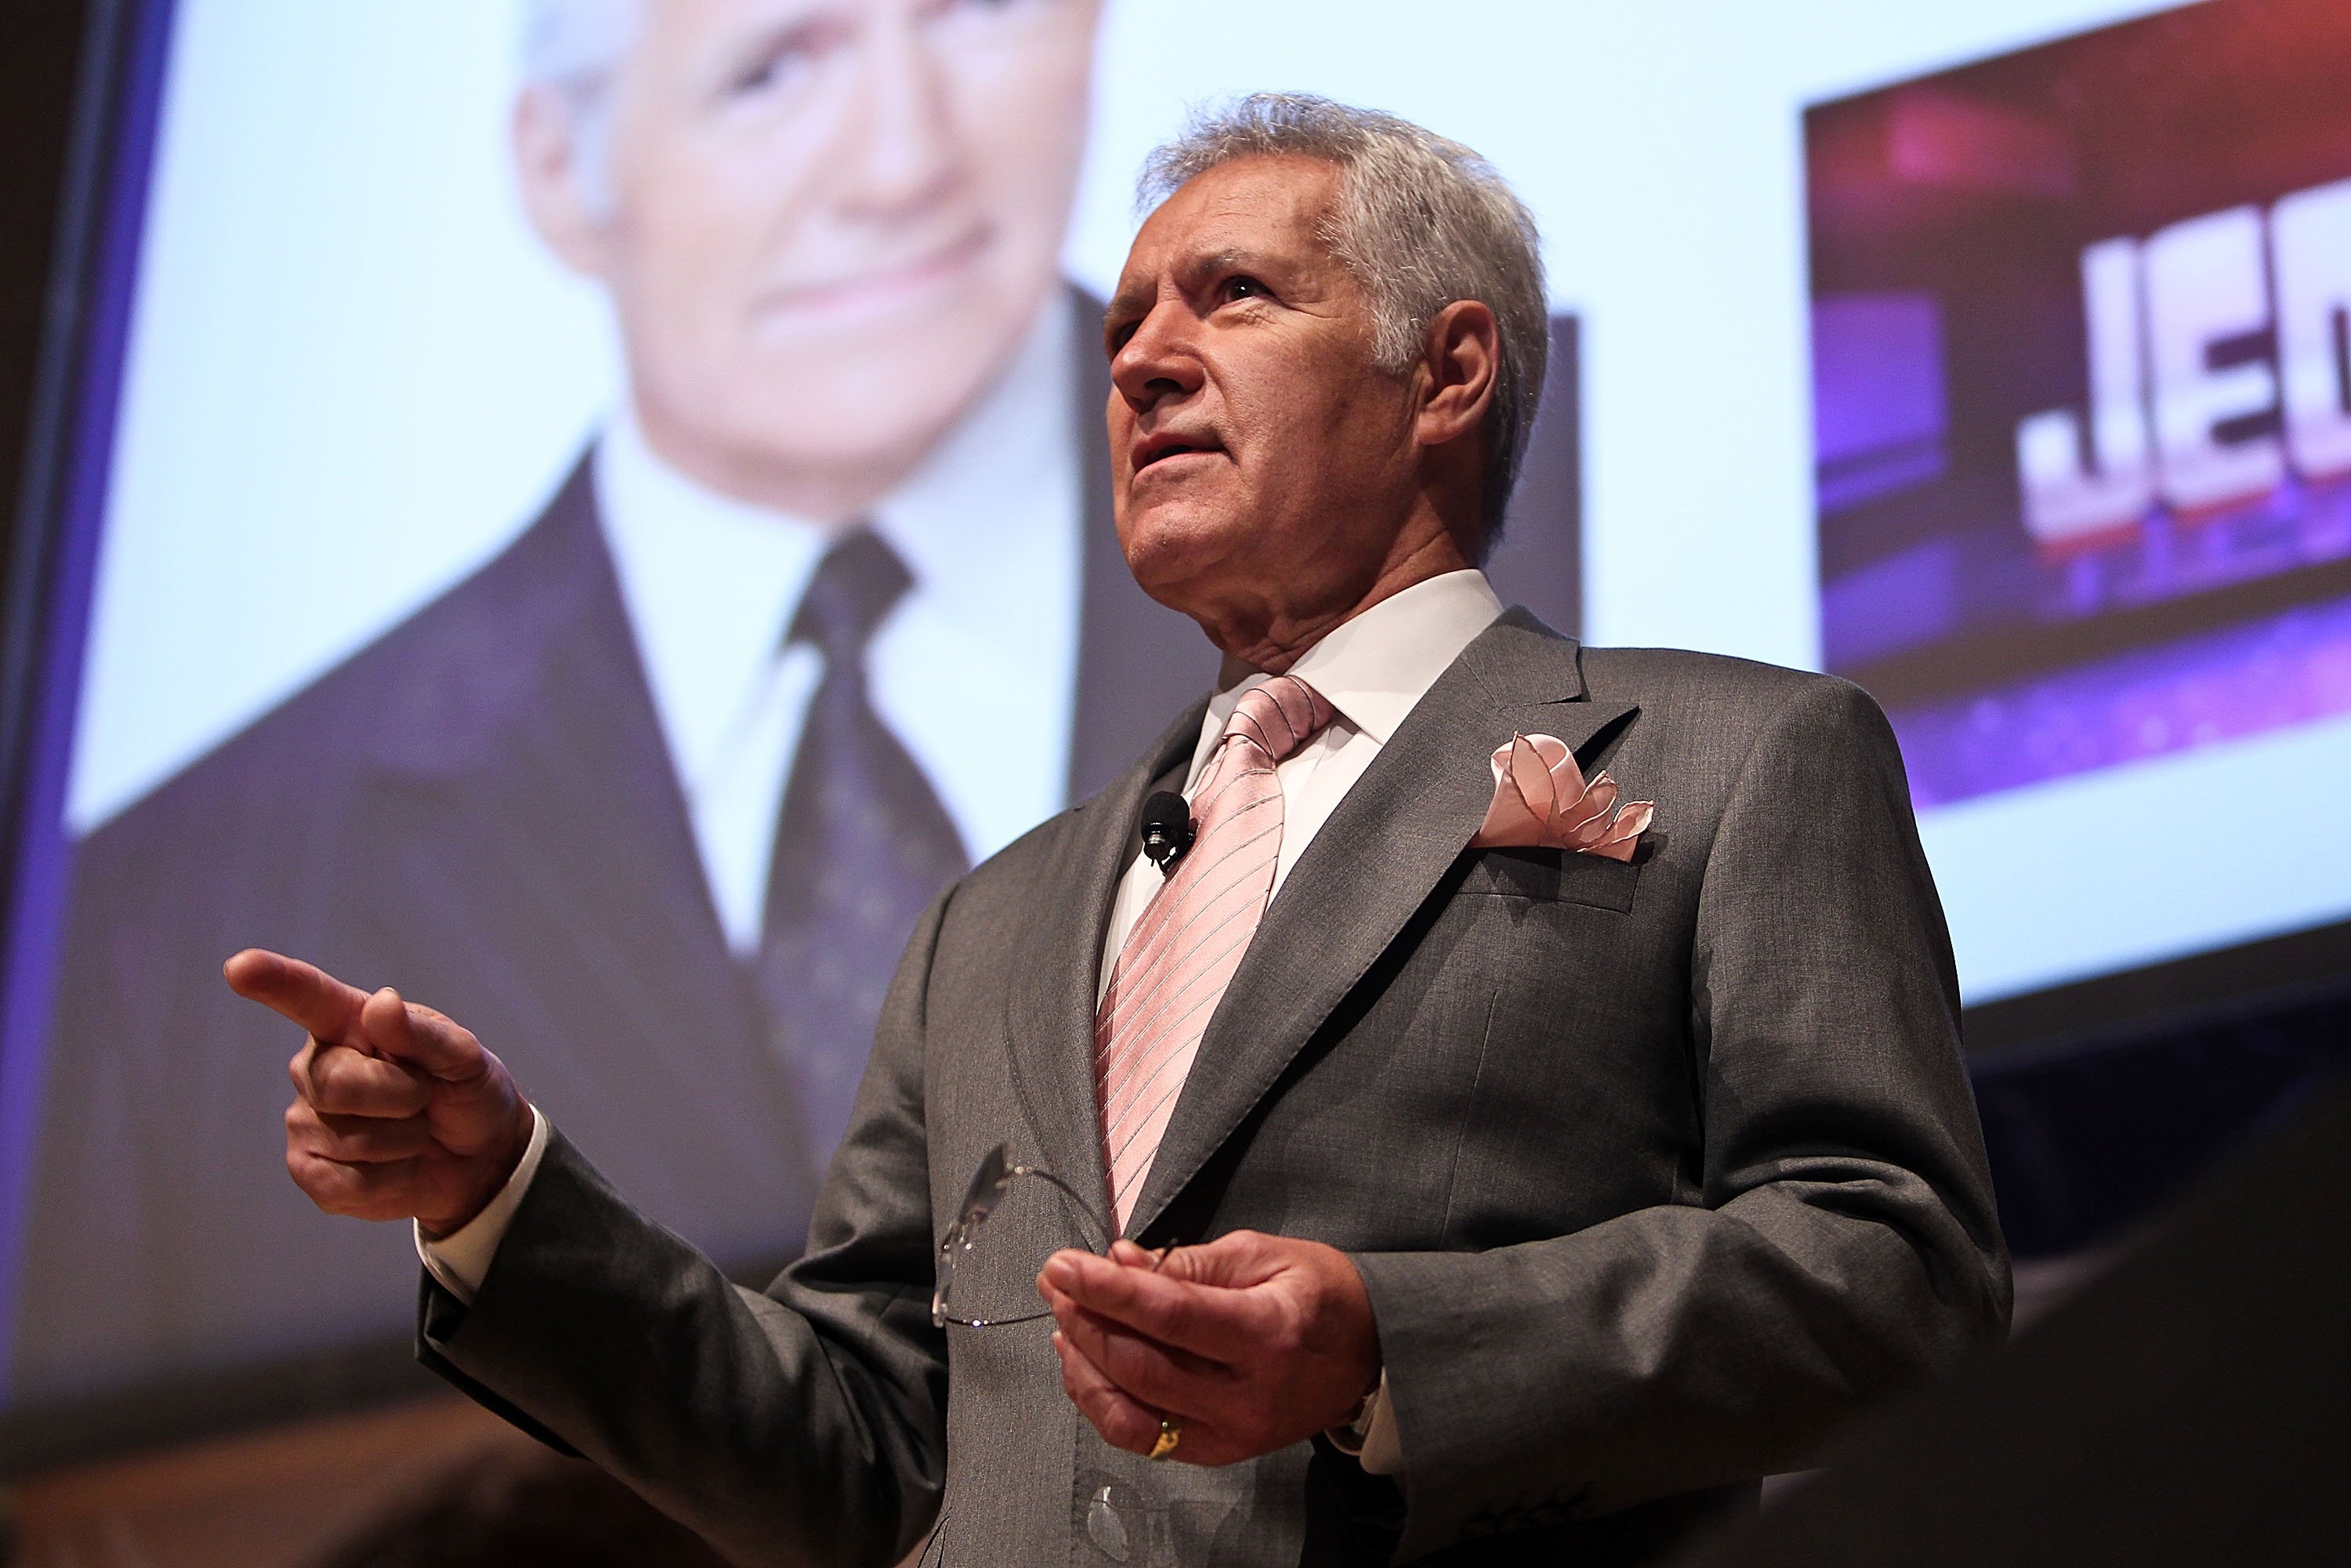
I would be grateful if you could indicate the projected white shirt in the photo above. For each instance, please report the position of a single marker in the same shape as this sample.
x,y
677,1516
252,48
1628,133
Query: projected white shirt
x,y
974,670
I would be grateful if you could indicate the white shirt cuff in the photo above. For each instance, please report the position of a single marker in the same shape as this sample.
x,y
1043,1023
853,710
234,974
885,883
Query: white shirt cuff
x,y
461,1260
1373,1438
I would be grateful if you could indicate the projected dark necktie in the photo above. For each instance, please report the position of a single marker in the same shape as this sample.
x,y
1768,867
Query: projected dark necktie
x,y
862,845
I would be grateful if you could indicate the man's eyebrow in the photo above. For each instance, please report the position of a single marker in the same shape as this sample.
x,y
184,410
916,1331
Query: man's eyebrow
x,y
1127,302
1230,258
1133,299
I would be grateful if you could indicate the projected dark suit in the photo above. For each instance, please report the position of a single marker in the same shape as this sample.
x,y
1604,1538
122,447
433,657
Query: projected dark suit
x,y
493,768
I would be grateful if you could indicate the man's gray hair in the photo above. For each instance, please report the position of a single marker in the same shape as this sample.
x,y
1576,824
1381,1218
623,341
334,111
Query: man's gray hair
x,y
575,46
1422,222
572,49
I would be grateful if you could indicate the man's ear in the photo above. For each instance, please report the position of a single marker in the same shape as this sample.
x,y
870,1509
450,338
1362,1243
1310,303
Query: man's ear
x,y
552,170
1463,357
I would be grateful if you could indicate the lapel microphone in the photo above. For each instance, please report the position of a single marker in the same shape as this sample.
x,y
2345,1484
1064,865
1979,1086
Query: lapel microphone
x,y
1167,830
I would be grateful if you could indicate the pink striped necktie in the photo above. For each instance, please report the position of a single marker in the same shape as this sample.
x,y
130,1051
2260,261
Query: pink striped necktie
x,y
1183,951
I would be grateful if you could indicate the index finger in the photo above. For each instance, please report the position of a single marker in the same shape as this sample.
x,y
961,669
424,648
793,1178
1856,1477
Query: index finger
x,y
322,1005
1217,1322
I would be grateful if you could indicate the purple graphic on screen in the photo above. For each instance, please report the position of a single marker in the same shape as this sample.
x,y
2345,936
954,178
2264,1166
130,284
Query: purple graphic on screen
x,y
2292,667
2082,393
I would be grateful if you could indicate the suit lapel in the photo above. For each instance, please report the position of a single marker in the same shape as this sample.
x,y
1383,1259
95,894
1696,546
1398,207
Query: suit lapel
x,y
1373,863
544,844
1049,1010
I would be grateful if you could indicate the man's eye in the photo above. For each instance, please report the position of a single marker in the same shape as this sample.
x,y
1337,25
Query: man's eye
x,y
1243,289
777,65
763,75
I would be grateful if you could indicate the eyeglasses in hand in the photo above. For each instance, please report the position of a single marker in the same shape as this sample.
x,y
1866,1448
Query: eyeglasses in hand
x,y
1035,1215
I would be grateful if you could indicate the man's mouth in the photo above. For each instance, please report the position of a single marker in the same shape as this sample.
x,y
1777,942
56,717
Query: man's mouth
x,y
1158,448
886,283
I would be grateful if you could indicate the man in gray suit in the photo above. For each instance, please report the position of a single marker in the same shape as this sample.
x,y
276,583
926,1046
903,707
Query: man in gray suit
x,y
1482,1195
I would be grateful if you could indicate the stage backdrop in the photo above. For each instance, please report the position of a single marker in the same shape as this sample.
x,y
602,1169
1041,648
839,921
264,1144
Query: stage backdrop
x,y
471,390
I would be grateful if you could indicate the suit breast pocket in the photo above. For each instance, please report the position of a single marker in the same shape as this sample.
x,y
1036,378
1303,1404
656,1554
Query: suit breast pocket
x,y
1551,876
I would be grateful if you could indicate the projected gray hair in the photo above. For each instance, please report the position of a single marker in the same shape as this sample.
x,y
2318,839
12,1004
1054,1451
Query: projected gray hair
x,y
571,48
1421,222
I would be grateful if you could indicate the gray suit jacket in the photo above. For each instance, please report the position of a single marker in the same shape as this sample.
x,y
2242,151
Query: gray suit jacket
x,y
1653,1171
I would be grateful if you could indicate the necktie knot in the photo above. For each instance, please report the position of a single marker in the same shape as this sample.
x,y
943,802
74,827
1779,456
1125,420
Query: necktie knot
x,y
855,587
1280,717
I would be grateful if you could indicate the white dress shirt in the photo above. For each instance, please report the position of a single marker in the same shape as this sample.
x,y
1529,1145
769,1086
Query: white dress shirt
x,y
1372,669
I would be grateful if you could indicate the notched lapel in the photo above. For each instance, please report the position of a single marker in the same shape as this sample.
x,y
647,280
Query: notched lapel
x,y
1049,1006
1373,863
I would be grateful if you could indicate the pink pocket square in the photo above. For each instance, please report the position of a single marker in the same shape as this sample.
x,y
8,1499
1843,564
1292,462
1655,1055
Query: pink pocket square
x,y
1541,801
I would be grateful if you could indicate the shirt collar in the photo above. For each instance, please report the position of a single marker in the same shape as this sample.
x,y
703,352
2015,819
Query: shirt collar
x,y
710,583
1019,440
1375,666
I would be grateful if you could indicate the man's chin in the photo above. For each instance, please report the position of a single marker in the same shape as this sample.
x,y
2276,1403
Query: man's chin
x,y
1175,546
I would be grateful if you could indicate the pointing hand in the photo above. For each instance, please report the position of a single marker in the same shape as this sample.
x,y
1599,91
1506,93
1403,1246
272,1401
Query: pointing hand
x,y
398,1113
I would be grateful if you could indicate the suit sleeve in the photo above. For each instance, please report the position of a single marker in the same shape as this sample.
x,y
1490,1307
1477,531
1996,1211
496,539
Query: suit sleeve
x,y
1842,1243
801,1424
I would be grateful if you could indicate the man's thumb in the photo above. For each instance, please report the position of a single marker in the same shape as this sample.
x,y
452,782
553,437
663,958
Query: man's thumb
x,y
1235,1261
418,1036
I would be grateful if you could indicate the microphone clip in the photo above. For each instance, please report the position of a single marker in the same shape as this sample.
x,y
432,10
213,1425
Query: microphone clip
x,y
1168,829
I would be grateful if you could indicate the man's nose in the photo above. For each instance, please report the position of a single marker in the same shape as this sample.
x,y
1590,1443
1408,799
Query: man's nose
x,y
1159,359
903,152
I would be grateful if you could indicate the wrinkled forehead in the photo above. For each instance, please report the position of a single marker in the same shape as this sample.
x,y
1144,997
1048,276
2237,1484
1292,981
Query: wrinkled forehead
x,y
1256,212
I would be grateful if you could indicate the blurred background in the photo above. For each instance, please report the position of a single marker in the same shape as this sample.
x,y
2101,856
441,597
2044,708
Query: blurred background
x,y
421,421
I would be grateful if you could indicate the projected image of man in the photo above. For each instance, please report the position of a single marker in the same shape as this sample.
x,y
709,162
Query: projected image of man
x,y
823,614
